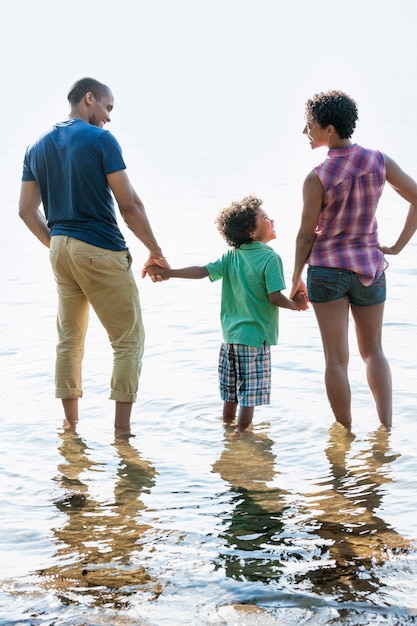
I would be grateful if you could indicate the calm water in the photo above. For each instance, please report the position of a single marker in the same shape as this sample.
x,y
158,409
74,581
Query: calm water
x,y
294,522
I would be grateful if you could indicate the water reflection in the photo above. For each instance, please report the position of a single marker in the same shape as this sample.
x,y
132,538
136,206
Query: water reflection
x,y
332,541
253,520
356,540
99,544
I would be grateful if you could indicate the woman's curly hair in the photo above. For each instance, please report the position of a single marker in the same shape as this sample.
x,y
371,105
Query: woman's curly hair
x,y
238,221
335,108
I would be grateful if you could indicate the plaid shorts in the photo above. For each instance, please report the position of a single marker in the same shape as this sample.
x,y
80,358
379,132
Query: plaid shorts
x,y
245,374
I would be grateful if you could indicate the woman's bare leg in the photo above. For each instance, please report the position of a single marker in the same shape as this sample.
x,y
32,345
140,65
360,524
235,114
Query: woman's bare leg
x,y
333,321
368,321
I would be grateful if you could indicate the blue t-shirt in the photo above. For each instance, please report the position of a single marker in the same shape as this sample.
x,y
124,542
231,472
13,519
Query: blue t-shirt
x,y
70,164
249,274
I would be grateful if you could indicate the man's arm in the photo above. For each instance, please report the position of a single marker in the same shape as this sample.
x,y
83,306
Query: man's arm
x,y
134,214
29,203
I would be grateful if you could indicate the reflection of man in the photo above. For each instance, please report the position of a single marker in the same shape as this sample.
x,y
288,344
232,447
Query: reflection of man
x,y
252,529
99,544
75,170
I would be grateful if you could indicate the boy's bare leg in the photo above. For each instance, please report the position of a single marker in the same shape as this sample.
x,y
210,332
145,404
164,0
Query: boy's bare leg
x,y
71,411
229,412
245,417
122,418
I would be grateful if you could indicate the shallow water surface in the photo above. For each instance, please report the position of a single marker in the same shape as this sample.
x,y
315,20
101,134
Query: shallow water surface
x,y
185,523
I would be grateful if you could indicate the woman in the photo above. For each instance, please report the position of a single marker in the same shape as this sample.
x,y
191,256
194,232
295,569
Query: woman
x,y
338,238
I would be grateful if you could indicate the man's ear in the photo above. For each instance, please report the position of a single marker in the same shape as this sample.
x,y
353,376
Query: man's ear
x,y
89,98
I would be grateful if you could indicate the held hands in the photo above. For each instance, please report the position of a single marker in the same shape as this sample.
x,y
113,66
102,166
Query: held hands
x,y
297,287
301,300
154,266
156,272
299,294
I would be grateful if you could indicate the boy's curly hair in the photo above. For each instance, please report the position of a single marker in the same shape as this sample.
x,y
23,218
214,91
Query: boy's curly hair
x,y
238,221
336,108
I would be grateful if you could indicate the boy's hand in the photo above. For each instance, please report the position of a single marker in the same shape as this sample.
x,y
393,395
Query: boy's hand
x,y
154,268
156,273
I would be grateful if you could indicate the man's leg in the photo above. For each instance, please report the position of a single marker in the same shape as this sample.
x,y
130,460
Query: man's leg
x,y
70,406
122,415
72,323
111,289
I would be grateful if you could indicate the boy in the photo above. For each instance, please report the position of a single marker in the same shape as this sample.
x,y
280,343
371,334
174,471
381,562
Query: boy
x,y
253,279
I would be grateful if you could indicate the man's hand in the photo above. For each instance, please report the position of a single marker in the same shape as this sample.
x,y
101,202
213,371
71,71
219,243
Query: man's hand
x,y
153,267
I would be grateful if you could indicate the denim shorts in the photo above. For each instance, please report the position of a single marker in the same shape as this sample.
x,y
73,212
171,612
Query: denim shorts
x,y
325,284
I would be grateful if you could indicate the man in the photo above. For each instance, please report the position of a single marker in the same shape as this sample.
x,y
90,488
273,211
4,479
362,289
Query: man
x,y
73,170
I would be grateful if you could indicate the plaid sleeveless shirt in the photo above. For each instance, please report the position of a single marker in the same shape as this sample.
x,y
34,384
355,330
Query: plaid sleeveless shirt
x,y
347,232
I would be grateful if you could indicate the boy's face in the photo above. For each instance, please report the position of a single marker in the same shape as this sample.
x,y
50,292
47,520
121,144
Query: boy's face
x,y
265,230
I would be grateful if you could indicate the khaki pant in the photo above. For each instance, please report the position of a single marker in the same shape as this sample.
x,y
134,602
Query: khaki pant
x,y
103,278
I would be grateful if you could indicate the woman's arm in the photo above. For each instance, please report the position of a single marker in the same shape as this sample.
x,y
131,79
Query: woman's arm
x,y
313,195
406,187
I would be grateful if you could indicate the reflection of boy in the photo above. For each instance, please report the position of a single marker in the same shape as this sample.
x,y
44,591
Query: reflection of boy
x,y
253,279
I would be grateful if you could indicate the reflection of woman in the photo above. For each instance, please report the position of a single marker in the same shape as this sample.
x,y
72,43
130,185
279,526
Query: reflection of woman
x,y
356,538
338,238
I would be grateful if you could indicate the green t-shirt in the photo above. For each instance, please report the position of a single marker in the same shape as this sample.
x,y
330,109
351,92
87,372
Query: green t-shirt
x,y
249,274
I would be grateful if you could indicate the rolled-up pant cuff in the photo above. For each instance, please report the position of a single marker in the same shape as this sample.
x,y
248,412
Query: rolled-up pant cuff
x,y
67,394
122,396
